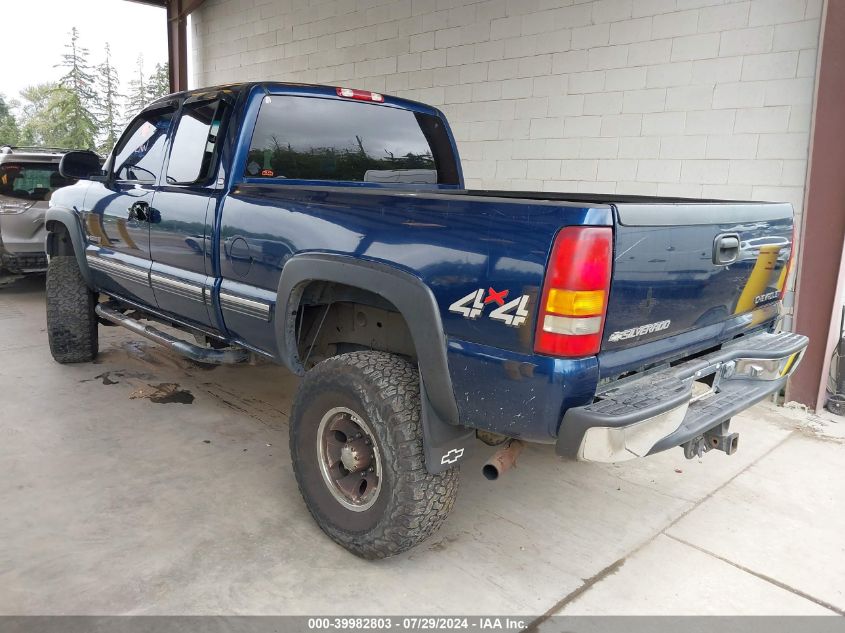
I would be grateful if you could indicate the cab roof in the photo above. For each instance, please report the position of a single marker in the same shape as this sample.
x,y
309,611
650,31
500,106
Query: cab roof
x,y
282,87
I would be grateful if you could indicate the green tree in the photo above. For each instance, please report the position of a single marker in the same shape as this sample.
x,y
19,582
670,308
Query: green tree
x,y
158,84
50,118
75,99
9,132
108,109
78,77
36,124
138,96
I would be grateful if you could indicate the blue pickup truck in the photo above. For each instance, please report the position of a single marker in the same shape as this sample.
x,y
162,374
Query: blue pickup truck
x,y
328,230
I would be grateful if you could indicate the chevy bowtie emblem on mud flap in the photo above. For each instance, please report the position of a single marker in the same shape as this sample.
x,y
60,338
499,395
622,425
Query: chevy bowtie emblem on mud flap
x,y
452,456
513,313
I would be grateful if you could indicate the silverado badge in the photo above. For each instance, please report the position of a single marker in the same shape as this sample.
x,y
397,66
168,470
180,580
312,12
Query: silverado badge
x,y
633,332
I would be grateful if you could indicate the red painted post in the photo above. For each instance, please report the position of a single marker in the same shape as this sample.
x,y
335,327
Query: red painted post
x,y
820,280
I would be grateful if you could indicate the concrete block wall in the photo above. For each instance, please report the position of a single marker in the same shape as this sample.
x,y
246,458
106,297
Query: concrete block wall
x,y
671,97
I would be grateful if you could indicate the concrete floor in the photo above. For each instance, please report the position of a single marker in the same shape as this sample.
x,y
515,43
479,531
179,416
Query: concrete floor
x,y
143,484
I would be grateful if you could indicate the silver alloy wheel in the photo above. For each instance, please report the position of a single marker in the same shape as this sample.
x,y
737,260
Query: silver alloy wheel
x,y
349,459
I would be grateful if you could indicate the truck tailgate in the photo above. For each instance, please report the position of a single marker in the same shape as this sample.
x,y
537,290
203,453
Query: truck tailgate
x,y
678,267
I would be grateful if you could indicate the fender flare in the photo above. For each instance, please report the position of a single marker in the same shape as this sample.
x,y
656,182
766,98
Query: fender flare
x,y
70,221
445,441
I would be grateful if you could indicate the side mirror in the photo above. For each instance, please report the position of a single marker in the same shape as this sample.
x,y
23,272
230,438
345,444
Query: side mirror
x,y
82,165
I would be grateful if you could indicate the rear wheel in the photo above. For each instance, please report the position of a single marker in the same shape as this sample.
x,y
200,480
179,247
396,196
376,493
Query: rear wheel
x,y
71,321
356,446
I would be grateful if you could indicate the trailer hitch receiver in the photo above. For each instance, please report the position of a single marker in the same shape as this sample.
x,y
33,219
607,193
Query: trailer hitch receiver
x,y
716,438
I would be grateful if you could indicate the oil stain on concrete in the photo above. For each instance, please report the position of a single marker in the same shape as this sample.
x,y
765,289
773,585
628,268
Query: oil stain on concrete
x,y
164,393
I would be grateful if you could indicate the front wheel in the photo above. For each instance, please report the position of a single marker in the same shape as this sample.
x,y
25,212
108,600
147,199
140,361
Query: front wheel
x,y
356,447
71,320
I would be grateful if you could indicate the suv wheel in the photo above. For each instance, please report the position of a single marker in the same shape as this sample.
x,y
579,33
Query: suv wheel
x,y
356,447
71,321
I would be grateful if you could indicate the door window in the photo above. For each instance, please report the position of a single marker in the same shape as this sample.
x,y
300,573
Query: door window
x,y
192,153
139,154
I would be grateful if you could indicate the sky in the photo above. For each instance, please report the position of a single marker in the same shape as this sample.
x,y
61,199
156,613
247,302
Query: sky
x,y
34,33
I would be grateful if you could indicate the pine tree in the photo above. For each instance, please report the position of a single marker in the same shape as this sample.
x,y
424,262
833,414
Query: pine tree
x,y
75,97
108,109
41,122
80,126
9,132
137,98
78,77
158,85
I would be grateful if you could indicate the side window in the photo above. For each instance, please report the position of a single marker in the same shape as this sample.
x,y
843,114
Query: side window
x,y
192,151
139,154
311,138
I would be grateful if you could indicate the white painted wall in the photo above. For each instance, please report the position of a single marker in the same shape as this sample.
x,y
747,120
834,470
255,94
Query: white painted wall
x,y
678,97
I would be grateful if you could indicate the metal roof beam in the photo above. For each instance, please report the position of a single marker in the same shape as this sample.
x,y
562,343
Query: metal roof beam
x,y
156,3
177,41
177,37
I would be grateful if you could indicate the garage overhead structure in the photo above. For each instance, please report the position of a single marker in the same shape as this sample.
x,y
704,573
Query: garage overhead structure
x,y
177,40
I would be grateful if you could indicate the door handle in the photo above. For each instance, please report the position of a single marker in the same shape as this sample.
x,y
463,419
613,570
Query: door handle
x,y
139,211
726,249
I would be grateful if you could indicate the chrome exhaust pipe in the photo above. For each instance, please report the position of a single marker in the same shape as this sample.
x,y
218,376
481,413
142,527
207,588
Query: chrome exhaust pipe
x,y
502,460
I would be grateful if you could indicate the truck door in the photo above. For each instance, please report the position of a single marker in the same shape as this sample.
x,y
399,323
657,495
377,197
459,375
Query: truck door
x,y
116,211
182,273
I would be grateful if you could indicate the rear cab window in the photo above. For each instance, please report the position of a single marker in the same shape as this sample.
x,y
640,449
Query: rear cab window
x,y
309,138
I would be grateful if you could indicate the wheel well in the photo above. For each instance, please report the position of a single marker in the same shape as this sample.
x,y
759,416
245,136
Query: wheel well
x,y
58,239
334,318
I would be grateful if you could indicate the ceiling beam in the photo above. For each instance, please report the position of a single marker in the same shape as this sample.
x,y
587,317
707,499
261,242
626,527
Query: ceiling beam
x,y
177,38
189,6
177,45
156,3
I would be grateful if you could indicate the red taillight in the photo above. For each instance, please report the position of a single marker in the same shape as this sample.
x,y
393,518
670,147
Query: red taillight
x,y
574,299
361,95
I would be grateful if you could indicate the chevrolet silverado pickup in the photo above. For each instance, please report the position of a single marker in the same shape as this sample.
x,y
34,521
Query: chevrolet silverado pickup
x,y
329,230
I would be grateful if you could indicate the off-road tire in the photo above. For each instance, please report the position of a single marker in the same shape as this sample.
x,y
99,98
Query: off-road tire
x,y
71,321
412,503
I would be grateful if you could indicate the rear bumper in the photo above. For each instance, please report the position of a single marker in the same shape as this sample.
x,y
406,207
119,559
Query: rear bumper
x,y
22,239
23,262
660,410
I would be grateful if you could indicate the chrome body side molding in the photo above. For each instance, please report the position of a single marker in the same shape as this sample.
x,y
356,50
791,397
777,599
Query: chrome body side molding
x,y
247,307
128,272
178,287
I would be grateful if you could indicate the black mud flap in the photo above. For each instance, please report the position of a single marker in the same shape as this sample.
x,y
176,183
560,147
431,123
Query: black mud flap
x,y
444,444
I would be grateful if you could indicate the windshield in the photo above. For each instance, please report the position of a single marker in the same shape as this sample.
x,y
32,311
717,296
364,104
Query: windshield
x,y
31,181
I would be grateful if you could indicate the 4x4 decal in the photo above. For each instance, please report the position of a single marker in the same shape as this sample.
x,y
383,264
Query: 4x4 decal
x,y
513,313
